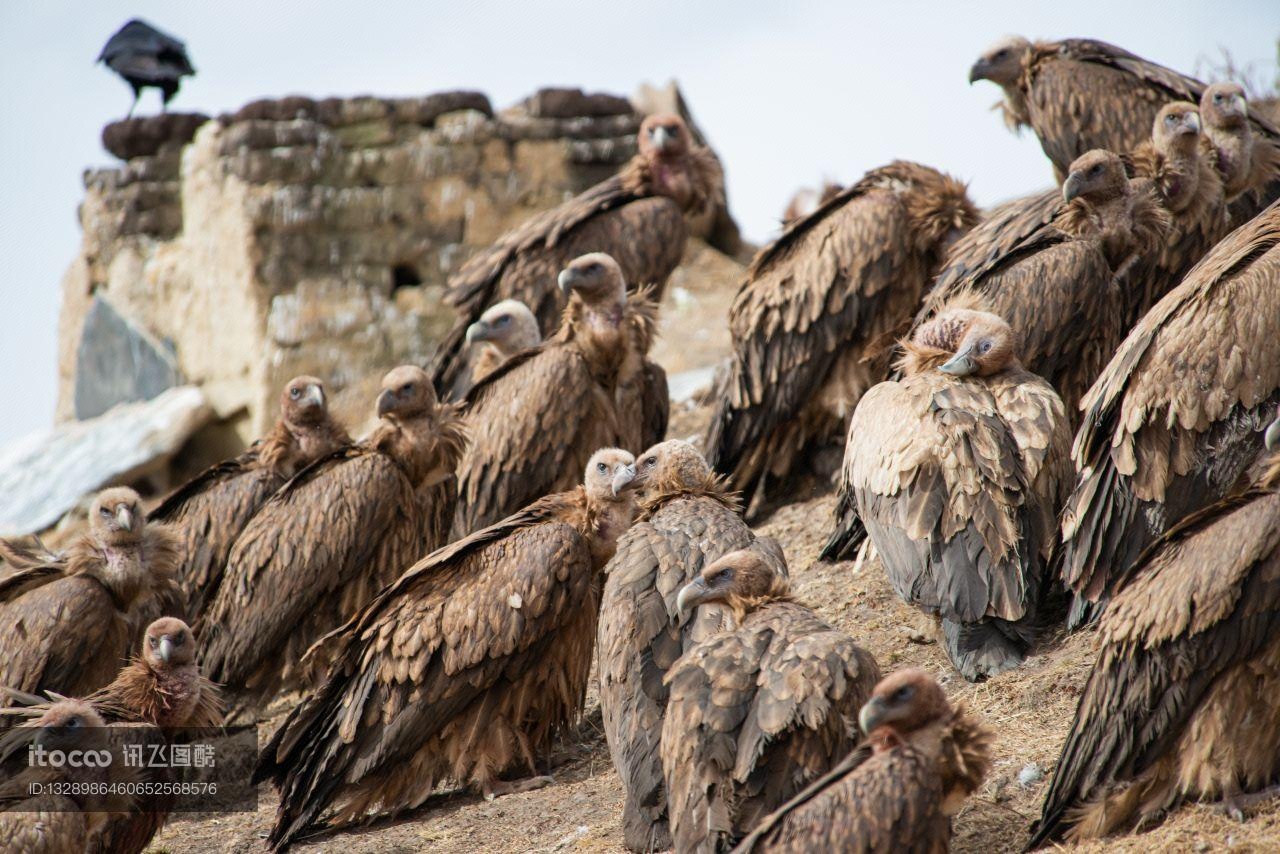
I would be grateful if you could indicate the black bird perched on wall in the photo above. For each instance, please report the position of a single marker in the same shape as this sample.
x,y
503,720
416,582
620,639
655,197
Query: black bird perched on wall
x,y
144,57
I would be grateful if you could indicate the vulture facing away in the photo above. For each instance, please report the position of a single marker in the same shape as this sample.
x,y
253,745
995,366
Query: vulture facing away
x,y
502,331
687,519
899,790
811,322
211,509
756,712
957,473
332,537
465,668
536,420
1177,416
1181,702
69,621
637,216
146,57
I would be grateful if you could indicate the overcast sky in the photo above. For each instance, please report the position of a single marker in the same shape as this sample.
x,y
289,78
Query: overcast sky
x,y
787,92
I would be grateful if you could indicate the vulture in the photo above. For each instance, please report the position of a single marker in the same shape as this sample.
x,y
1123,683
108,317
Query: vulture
x,y
1177,416
898,791
957,473
332,537
807,200
502,331
146,57
756,712
1245,149
465,668
1056,282
1180,704
210,510
69,621
810,321
687,519
535,421
637,216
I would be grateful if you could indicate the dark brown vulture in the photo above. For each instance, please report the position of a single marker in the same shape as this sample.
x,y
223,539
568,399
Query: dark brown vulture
x,y
465,669
687,520
957,472
637,216
899,790
502,331
807,200
68,622
333,536
1244,148
757,712
1056,282
210,511
1181,702
1178,414
810,321
535,421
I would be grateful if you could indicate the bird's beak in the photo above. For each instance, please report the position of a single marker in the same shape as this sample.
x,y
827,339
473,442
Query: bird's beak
x,y
315,395
691,596
1241,104
479,331
567,279
871,715
124,517
166,649
978,71
1193,122
1071,187
1272,436
662,138
961,364
623,478
386,402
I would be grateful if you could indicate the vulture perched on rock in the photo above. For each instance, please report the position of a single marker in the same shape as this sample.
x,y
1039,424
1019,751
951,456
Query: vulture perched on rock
x,y
210,510
1181,702
1056,282
899,790
464,669
535,421
811,320
69,621
957,473
637,216
1177,416
145,57
1245,149
332,537
502,331
756,712
687,520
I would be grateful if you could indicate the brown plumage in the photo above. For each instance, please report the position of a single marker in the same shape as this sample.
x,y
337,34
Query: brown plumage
x,y
1244,148
899,790
1056,283
756,712
637,216
502,331
210,510
69,621
957,473
465,668
331,538
536,420
687,520
810,319
1178,414
1180,704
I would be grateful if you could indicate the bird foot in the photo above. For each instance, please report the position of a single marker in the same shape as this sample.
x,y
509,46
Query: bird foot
x,y
1236,806
498,788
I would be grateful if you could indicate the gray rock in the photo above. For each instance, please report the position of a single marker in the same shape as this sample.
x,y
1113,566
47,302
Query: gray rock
x,y
1030,774
117,362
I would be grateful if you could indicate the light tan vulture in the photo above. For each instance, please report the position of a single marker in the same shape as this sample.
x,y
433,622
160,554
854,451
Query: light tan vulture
x,y
332,537
898,791
465,669
812,320
756,712
210,510
957,473
1244,147
502,331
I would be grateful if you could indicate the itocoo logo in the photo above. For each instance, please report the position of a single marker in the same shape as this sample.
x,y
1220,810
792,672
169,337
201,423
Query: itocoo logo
x,y
38,756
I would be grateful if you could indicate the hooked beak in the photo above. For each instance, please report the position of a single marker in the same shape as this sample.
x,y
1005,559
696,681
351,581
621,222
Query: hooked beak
x,y
623,478
315,395
662,138
961,364
566,279
166,649
478,331
124,517
1241,104
978,71
1272,436
386,402
1193,122
1071,187
871,715
690,596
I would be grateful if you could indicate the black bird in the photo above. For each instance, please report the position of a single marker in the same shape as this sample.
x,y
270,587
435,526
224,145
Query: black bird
x,y
144,57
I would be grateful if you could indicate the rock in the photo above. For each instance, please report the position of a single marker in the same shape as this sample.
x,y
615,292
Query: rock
x,y
561,103
117,362
1030,774
44,475
149,135
342,112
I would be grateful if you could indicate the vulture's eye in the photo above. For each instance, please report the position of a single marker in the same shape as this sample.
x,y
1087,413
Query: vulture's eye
x,y
153,641
602,468
901,694
593,267
106,514
178,640
1001,54
406,388
294,393
1217,99
501,320
984,347
651,462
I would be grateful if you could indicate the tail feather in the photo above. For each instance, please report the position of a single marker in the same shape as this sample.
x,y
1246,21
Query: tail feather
x,y
982,650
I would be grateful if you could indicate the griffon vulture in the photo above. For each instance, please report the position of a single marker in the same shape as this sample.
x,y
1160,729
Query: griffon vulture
x,y
502,331
210,510
1178,414
637,216
536,420
1245,149
465,668
809,321
1181,702
332,537
957,473
899,790
756,712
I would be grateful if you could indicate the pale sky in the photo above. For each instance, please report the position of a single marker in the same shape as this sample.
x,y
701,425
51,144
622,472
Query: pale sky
x,y
787,92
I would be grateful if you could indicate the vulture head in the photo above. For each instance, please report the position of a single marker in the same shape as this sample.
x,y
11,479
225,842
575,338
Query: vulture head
x,y
961,341
169,643
742,580
611,472
671,466
1223,106
407,393
1097,176
904,702
303,402
596,279
116,517
68,725
1002,63
508,326
663,136
1177,128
